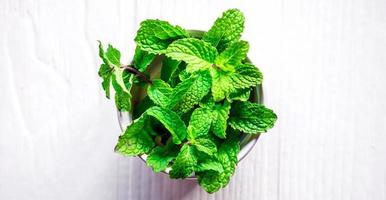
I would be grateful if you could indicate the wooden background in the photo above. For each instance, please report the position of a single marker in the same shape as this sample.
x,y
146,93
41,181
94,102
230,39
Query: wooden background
x,y
325,76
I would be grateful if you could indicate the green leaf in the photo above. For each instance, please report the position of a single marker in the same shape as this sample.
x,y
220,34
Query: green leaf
x,y
123,101
113,55
220,117
122,94
241,94
161,156
251,118
111,71
169,66
171,121
246,75
105,73
200,122
142,106
190,92
184,75
209,165
204,145
142,59
184,164
159,92
135,140
154,36
226,29
212,181
207,101
196,53
175,76
210,117
232,56
141,62
226,83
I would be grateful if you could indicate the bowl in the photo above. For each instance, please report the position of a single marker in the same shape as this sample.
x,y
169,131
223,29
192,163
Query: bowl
x,y
247,141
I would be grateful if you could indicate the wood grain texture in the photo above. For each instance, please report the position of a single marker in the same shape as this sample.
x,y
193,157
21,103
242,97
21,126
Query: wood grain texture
x,y
324,64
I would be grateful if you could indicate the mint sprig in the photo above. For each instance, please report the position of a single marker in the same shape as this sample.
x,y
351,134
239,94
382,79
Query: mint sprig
x,y
191,118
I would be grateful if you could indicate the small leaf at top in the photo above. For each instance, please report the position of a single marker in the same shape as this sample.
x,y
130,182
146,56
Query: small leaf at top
x,y
198,54
154,36
226,29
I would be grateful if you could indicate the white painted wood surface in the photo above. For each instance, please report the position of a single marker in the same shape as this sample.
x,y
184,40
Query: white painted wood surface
x,y
324,64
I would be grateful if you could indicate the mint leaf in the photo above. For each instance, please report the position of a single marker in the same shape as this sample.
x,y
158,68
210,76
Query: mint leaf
x,y
232,56
161,156
159,92
142,106
246,75
219,119
113,56
204,145
226,29
122,94
209,165
212,181
196,53
200,122
190,91
184,164
141,62
154,36
169,66
222,84
210,117
105,73
184,75
171,121
226,83
240,94
142,59
175,76
207,101
111,71
123,101
135,140
251,118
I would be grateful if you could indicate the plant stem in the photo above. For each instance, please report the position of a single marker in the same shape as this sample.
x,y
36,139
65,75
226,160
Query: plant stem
x,y
133,70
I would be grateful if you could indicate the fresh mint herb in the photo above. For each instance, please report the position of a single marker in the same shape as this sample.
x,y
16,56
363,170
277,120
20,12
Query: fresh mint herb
x,y
191,118
154,36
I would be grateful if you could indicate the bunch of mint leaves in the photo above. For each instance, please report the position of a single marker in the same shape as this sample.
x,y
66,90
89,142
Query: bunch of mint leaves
x,y
194,113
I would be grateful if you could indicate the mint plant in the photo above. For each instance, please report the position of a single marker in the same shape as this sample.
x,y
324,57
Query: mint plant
x,y
194,113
